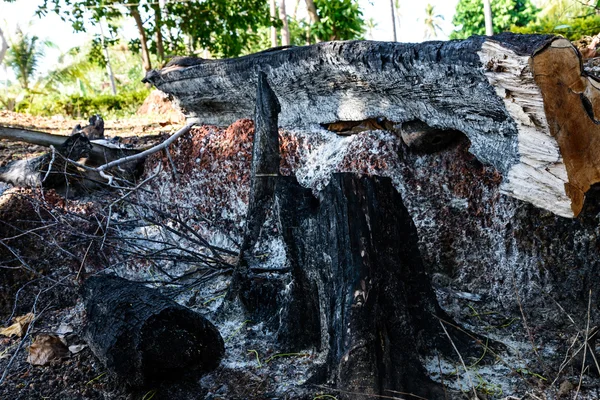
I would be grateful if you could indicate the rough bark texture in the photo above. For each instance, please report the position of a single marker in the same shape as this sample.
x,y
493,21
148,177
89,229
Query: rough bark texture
x,y
142,336
487,88
265,162
360,289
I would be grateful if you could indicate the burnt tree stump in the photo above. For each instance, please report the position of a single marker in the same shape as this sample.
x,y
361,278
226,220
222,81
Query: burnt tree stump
x,y
361,292
142,336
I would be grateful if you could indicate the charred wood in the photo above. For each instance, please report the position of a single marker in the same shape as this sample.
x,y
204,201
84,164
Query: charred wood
x,y
142,336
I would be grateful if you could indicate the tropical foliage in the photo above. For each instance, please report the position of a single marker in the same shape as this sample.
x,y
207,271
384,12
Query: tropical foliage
x,y
570,18
469,17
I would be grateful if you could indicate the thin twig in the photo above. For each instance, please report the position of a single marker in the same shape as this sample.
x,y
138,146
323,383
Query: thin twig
x,y
461,360
585,343
50,164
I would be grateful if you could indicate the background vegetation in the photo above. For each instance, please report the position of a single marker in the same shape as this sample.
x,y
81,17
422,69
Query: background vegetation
x,y
104,75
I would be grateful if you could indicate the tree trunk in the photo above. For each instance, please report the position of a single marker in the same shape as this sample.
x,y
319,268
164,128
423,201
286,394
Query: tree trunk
x,y
487,12
158,23
497,91
360,291
108,63
264,172
313,15
393,12
143,39
142,336
273,11
285,29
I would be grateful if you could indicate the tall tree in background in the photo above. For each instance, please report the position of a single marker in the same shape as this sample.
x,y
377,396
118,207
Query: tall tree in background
x,y
487,14
3,46
285,29
273,14
314,16
393,11
432,24
470,20
209,24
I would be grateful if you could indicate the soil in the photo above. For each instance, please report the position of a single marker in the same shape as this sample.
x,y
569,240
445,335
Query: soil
x,y
80,376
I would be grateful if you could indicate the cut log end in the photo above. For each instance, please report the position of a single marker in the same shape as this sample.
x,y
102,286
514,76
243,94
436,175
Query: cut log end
x,y
141,336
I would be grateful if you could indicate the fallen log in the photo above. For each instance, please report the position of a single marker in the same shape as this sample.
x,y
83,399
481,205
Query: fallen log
x,y
99,154
50,170
142,336
523,101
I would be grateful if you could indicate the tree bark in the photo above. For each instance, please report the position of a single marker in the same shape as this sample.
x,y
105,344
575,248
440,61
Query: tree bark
x,y
143,38
313,15
494,90
273,11
158,23
360,292
263,174
142,336
393,12
285,29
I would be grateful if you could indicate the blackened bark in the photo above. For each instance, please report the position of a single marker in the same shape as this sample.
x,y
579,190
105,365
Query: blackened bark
x,y
142,336
263,175
360,291
51,170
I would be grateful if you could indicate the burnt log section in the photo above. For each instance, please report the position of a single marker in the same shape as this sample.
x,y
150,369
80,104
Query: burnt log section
x,y
142,336
264,172
50,170
502,92
78,147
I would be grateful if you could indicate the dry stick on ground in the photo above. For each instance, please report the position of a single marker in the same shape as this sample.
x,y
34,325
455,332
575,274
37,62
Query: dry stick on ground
x,y
164,145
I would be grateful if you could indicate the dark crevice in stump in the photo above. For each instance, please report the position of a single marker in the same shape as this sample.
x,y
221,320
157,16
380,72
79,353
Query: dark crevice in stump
x,y
142,336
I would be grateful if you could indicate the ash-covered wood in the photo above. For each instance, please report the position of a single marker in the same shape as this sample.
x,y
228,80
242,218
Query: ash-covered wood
x,y
142,336
64,176
503,92
51,170
360,288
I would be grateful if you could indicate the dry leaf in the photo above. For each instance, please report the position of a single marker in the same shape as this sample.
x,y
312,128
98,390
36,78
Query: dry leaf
x,y
19,327
46,348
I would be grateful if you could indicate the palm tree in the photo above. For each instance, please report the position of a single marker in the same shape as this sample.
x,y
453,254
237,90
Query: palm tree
x,y
24,55
432,25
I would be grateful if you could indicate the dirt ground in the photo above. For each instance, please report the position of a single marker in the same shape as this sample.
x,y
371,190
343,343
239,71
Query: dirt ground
x,y
80,375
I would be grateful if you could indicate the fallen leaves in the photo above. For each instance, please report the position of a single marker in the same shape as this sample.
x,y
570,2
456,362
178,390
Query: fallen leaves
x,y
46,348
19,327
